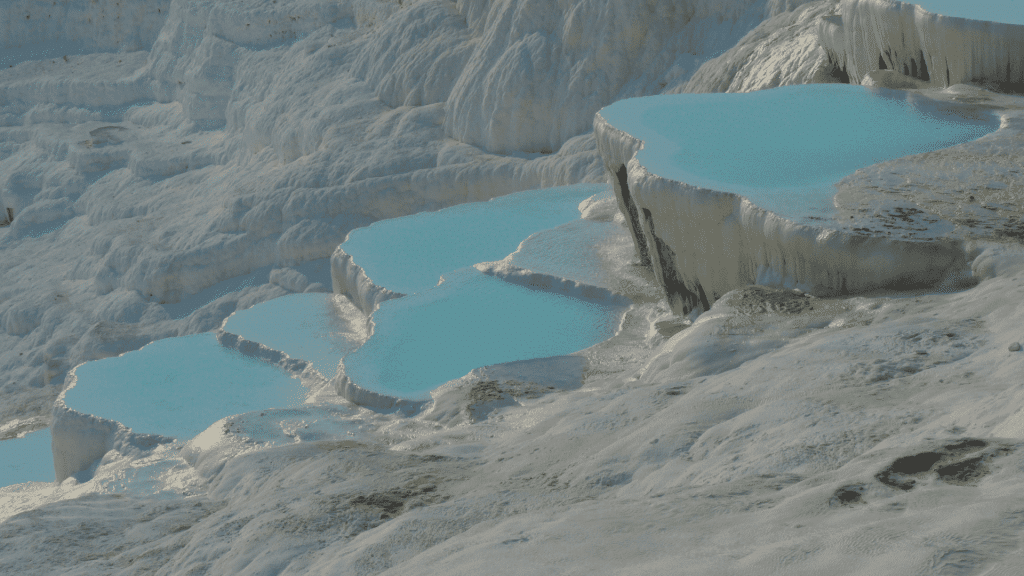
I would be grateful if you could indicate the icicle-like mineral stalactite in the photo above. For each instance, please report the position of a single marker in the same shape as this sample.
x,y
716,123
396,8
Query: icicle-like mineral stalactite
x,y
908,39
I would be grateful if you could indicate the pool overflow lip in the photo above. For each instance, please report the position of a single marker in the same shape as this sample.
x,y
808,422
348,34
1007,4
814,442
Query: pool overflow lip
x,y
684,293
354,280
638,190
147,397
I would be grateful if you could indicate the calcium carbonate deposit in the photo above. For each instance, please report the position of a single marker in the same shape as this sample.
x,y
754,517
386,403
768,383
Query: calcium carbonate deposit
x,y
550,354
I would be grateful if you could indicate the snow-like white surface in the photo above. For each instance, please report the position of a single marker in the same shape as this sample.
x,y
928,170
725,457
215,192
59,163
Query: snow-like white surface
x,y
318,328
764,438
470,320
783,50
783,149
540,70
178,386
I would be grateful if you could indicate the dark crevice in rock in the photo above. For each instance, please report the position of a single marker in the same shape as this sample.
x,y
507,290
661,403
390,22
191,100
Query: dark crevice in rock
x,y
841,74
633,215
924,69
881,63
836,68
680,298
10,218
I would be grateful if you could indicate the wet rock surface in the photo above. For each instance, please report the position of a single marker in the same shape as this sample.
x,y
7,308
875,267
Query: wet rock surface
x,y
762,299
962,463
848,496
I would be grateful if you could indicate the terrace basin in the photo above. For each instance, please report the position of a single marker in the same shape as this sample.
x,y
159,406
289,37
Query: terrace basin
x,y
26,459
468,321
785,148
179,386
319,328
409,254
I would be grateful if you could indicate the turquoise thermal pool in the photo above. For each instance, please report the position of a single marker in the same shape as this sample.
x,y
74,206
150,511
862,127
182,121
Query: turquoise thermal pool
x,y
471,320
1005,11
410,253
303,326
785,148
26,459
179,386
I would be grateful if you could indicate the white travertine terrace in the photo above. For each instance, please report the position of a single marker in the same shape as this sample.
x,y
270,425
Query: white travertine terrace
x,y
943,50
703,240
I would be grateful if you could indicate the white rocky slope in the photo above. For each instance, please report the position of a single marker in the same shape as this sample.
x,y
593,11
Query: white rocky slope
x,y
145,163
785,454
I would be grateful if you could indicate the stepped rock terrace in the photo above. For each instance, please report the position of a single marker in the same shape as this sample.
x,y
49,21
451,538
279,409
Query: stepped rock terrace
x,y
725,190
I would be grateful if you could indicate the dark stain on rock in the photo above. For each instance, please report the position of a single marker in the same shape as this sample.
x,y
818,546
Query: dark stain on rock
x,y
969,444
848,496
681,298
632,215
762,299
896,474
391,503
948,463
963,472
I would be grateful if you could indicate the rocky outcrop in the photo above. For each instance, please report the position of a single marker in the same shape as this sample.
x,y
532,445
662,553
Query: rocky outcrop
x,y
940,50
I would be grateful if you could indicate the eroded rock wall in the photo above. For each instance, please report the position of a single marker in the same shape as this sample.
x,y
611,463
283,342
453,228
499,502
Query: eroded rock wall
x,y
942,50
703,243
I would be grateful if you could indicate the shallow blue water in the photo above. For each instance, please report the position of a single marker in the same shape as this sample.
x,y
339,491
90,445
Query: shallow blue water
x,y
409,254
784,148
1005,11
569,251
179,386
471,320
304,326
27,459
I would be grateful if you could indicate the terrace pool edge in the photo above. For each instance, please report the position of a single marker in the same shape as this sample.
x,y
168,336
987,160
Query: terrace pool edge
x,y
701,243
